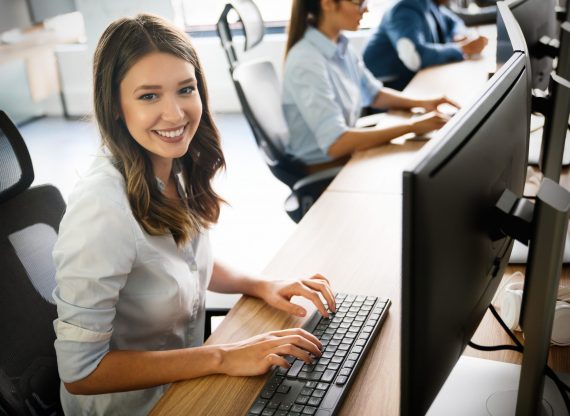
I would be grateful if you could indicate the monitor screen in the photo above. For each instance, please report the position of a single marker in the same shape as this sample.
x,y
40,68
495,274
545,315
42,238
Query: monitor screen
x,y
451,265
537,18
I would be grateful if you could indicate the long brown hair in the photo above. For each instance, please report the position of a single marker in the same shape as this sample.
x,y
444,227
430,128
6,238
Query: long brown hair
x,y
304,13
124,42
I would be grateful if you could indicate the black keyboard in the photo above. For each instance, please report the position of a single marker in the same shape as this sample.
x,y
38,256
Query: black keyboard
x,y
318,388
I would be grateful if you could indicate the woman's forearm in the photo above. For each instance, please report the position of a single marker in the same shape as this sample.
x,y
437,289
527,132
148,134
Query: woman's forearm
x,y
388,98
134,370
226,280
361,139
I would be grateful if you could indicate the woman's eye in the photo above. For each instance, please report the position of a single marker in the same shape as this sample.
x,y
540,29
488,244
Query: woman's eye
x,y
148,97
187,90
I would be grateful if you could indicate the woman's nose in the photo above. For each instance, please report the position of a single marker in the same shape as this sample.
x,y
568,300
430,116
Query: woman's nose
x,y
172,110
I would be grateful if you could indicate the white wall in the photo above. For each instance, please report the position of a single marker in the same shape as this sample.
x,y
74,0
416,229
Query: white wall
x,y
75,61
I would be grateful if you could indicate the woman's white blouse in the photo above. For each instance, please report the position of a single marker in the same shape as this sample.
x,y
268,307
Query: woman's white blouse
x,y
118,288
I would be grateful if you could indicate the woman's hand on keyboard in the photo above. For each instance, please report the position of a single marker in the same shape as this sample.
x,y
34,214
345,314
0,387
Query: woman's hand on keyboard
x,y
258,354
279,293
432,104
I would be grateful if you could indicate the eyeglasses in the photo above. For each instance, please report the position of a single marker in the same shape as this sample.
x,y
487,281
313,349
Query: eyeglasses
x,y
360,3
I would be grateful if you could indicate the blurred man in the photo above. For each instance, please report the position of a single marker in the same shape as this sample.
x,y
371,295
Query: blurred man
x,y
415,34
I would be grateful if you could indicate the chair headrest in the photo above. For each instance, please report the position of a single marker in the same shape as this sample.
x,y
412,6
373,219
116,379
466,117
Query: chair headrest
x,y
16,170
251,20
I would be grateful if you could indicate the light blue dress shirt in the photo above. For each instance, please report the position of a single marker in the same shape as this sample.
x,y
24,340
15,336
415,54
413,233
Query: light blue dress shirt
x,y
325,86
118,288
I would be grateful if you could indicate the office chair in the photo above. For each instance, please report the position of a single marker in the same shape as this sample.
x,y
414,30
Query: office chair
x,y
484,13
258,90
30,217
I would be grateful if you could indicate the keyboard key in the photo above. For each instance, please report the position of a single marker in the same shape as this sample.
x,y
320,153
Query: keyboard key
x,y
297,408
267,393
328,375
311,384
257,407
268,412
309,410
320,367
333,366
302,399
295,368
319,393
305,391
345,371
316,375
283,388
340,380
314,401
322,386
286,406
273,405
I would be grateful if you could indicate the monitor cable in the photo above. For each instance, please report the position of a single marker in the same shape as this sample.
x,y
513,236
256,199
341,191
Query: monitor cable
x,y
563,389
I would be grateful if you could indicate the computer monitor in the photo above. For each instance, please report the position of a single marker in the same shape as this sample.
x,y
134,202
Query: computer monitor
x,y
537,18
454,249
451,266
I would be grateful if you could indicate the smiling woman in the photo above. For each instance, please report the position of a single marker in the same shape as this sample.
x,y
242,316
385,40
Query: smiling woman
x,y
133,258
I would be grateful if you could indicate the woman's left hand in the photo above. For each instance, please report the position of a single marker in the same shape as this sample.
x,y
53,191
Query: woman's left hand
x,y
433,103
279,293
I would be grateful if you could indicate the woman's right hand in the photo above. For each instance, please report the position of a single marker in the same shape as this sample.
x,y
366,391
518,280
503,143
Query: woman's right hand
x,y
256,355
427,122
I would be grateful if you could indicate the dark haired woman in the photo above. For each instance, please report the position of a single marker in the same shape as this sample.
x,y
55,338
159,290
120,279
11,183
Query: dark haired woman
x,y
325,87
133,257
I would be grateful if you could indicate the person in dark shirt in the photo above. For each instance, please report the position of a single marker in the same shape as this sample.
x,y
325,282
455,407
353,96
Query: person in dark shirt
x,y
416,34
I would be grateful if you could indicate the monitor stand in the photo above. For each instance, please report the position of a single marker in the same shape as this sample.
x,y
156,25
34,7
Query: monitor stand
x,y
520,252
478,386
535,141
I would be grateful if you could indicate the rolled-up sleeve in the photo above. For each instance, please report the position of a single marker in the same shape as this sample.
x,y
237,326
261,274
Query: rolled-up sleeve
x,y
312,92
93,256
369,85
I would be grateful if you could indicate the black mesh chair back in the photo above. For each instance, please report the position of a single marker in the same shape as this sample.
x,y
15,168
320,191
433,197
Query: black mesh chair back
x,y
29,223
251,22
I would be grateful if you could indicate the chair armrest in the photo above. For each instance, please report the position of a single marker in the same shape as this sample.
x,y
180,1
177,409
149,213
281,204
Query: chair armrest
x,y
306,191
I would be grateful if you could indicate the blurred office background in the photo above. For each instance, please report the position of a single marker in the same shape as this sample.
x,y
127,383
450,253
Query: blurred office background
x,y
46,49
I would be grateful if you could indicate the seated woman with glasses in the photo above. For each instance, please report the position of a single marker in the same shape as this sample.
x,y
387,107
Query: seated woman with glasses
x,y
326,85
